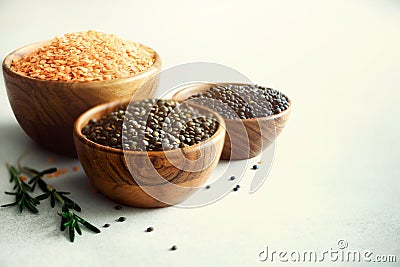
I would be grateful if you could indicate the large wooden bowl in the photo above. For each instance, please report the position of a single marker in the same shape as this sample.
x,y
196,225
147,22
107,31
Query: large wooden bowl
x,y
146,179
46,110
245,138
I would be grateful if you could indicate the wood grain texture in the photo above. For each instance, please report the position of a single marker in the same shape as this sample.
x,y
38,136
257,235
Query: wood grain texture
x,y
245,138
140,178
46,110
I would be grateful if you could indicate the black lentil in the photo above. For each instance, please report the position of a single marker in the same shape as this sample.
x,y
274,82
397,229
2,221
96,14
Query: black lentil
x,y
121,219
106,225
208,187
236,188
255,167
118,207
243,101
152,125
232,178
149,229
174,247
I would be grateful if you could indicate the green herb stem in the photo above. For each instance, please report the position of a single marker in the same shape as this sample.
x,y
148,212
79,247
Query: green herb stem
x,y
23,199
58,197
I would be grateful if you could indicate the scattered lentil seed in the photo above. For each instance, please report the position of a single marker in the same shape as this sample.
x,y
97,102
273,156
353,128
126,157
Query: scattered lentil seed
x,y
208,187
85,56
242,101
174,247
135,127
236,188
232,178
121,219
255,167
106,225
149,229
118,207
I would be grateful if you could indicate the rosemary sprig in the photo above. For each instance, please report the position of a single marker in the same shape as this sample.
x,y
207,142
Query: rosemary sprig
x,y
21,192
68,206
68,217
48,190
71,220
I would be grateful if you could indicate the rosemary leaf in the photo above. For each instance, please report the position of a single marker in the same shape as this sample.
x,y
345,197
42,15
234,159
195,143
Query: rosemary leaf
x,y
43,196
9,205
48,171
52,200
71,233
90,227
78,229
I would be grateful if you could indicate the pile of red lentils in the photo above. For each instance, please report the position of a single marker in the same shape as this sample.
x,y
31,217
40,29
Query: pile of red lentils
x,y
85,56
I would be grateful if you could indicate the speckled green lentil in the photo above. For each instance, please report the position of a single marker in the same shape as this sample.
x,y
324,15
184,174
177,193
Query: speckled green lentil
x,y
152,125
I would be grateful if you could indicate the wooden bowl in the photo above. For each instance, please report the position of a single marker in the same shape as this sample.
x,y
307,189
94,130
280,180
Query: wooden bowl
x,y
161,178
246,138
46,110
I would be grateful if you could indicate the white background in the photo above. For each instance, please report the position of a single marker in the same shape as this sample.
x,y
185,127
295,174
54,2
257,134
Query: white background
x,y
336,170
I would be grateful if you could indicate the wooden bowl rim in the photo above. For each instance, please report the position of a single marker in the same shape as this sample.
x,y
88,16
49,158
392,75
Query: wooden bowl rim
x,y
155,67
266,118
77,128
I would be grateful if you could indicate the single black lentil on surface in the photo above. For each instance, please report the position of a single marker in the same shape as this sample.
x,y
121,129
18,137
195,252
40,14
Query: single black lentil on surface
x,y
255,167
118,207
121,219
152,125
174,247
243,101
150,229
106,225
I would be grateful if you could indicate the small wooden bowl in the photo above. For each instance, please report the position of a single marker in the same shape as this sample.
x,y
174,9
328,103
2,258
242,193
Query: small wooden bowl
x,y
162,178
46,110
246,138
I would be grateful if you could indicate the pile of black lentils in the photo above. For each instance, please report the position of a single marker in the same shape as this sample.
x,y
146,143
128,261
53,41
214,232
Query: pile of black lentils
x,y
243,101
152,125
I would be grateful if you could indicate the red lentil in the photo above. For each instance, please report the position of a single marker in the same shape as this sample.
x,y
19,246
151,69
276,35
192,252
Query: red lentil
x,y
85,56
